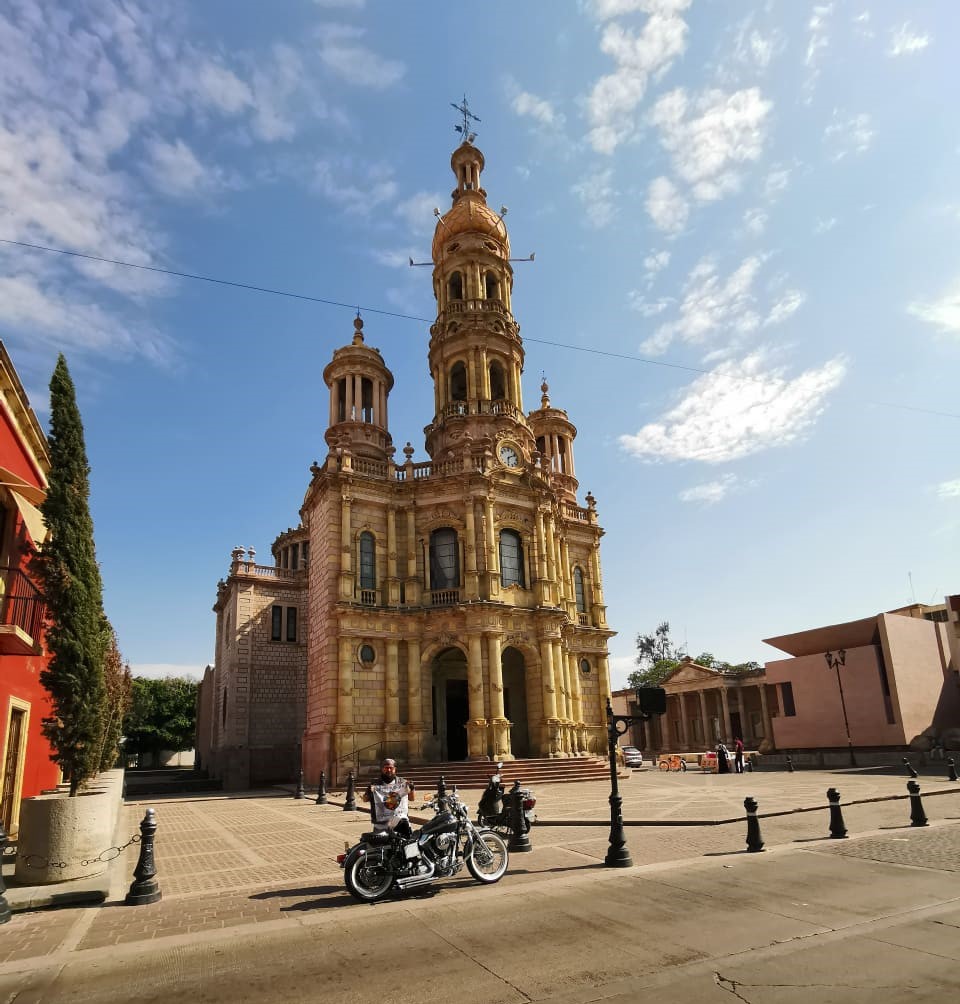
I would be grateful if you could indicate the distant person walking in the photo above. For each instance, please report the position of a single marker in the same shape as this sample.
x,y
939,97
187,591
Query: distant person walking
x,y
723,764
738,755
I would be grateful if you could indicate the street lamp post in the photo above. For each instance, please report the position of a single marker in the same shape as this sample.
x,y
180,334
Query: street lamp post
x,y
835,662
651,701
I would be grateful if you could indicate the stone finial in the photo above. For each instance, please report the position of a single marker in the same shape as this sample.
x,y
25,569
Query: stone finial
x,y
408,453
545,395
358,329
591,501
251,554
237,554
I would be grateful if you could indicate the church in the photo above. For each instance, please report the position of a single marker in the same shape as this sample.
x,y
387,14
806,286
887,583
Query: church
x,y
438,611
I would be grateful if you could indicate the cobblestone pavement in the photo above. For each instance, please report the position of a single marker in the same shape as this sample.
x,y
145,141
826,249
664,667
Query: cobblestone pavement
x,y
226,862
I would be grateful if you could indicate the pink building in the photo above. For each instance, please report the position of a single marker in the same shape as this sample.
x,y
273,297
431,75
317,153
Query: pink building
x,y
889,680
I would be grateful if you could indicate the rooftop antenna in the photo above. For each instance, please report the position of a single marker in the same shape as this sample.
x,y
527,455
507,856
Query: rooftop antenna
x,y
912,592
464,129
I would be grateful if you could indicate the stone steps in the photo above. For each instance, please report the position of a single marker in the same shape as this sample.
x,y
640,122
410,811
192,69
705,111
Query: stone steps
x,y
476,774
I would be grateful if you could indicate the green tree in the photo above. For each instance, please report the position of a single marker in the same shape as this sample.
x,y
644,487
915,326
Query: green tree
x,y
162,716
118,685
68,576
657,656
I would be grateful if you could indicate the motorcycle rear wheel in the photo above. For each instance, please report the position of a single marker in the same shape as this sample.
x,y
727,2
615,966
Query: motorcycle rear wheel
x,y
366,880
488,858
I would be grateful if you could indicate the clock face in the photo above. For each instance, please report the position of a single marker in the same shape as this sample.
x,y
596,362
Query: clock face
x,y
509,456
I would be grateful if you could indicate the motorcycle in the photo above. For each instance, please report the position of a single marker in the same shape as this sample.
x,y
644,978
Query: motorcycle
x,y
492,812
401,859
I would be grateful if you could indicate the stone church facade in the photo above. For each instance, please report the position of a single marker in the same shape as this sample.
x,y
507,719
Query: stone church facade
x,y
445,610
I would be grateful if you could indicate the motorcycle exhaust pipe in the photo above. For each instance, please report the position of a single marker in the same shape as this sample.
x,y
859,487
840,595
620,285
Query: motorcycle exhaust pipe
x,y
414,881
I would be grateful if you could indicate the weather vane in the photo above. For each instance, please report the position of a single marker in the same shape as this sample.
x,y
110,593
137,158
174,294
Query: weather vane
x,y
464,129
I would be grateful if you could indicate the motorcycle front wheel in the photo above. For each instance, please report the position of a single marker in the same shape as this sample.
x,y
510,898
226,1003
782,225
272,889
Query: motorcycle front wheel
x,y
489,857
366,879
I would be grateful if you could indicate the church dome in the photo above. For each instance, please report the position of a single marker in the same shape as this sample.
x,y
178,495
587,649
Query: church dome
x,y
469,212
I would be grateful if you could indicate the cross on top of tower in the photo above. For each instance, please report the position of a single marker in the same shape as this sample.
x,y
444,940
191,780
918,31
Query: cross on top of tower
x,y
464,129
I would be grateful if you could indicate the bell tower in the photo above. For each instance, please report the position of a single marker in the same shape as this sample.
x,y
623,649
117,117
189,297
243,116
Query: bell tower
x,y
475,355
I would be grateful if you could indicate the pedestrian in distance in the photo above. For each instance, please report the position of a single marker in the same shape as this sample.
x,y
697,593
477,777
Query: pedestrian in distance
x,y
389,800
723,764
738,755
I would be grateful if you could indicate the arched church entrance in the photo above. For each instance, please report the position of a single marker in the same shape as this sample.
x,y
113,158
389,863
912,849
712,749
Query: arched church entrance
x,y
515,700
451,709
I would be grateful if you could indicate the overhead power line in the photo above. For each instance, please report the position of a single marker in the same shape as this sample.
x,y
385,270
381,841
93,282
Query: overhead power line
x,y
413,317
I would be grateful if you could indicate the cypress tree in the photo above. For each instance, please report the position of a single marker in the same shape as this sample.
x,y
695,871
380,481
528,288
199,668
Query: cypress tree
x,y
69,578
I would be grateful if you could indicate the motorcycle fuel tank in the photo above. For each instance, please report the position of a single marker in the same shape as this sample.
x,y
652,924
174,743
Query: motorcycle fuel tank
x,y
441,823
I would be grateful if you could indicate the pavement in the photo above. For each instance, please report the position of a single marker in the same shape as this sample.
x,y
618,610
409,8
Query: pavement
x,y
254,906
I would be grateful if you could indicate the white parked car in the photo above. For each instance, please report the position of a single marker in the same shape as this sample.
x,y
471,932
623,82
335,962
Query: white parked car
x,y
632,757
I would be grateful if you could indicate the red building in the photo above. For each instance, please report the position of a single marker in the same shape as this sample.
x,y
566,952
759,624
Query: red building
x,y
24,464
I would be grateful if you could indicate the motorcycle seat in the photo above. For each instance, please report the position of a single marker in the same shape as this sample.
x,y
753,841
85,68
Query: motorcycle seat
x,y
376,838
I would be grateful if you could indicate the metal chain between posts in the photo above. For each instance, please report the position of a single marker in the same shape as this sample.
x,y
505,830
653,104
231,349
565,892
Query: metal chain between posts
x,y
110,854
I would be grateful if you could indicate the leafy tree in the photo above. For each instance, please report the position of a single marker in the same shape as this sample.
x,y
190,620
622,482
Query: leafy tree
x,y
162,716
68,576
118,684
658,656
653,675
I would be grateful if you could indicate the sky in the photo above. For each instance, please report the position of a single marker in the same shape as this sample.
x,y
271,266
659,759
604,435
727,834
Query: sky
x,y
745,292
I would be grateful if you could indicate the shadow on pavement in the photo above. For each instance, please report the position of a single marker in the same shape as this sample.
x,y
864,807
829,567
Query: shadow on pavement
x,y
315,890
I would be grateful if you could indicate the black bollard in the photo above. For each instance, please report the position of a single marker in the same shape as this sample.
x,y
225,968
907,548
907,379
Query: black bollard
x,y
754,840
952,772
917,816
301,791
350,805
4,905
519,841
144,888
837,829
322,790
910,768
749,765
789,765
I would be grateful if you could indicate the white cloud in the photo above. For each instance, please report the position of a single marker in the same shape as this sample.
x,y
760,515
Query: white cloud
x,y
824,225
359,65
845,136
755,221
647,308
354,188
417,212
665,205
714,307
655,262
638,56
218,87
395,257
949,489
776,182
905,41
174,169
737,410
597,194
527,104
711,136
943,312
710,492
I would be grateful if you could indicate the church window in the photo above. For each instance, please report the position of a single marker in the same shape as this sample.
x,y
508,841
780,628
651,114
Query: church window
x,y
579,591
541,445
367,655
368,561
366,400
456,286
444,559
492,286
295,557
276,623
291,623
511,558
498,383
458,382
585,667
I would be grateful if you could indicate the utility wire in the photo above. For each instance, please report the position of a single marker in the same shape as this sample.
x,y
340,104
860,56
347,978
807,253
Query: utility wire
x,y
413,317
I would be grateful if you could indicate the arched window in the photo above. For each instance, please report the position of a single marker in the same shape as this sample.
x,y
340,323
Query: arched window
x,y
578,590
444,559
458,382
511,559
498,383
455,286
366,400
368,561
491,286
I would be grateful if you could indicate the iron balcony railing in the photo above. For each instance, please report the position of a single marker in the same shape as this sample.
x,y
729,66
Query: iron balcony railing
x,y
22,604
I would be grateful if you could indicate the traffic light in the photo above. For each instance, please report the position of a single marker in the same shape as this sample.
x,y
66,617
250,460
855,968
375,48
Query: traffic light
x,y
652,700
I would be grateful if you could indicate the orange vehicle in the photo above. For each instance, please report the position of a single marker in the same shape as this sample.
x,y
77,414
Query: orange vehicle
x,y
671,761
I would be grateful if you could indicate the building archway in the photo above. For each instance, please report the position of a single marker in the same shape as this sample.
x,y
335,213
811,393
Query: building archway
x,y
515,704
450,709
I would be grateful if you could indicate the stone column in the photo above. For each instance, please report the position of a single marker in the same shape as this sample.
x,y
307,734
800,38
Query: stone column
x,y
477,726
473,390
765,713
684,737
725,705
334,402
500,727
704,718
484,374
412,591
472,581
414,701
392,684
549,691
493,565
346,549
348,412
345,684
392,597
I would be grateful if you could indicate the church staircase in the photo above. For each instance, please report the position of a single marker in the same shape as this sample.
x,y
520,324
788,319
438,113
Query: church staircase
x,y
476,773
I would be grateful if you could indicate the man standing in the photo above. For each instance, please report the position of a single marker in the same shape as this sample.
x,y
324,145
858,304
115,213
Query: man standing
x,y
738,755
389,800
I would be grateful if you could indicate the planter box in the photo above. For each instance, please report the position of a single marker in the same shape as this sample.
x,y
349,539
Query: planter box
x,y
58,833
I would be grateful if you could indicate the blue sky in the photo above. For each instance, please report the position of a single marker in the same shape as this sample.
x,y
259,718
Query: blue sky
x,y
745,219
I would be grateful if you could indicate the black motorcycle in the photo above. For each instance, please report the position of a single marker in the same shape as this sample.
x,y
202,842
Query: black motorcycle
x,y
401,859
493,813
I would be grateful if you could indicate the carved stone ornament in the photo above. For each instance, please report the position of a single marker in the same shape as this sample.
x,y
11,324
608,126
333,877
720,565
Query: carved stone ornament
x,y
445,639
